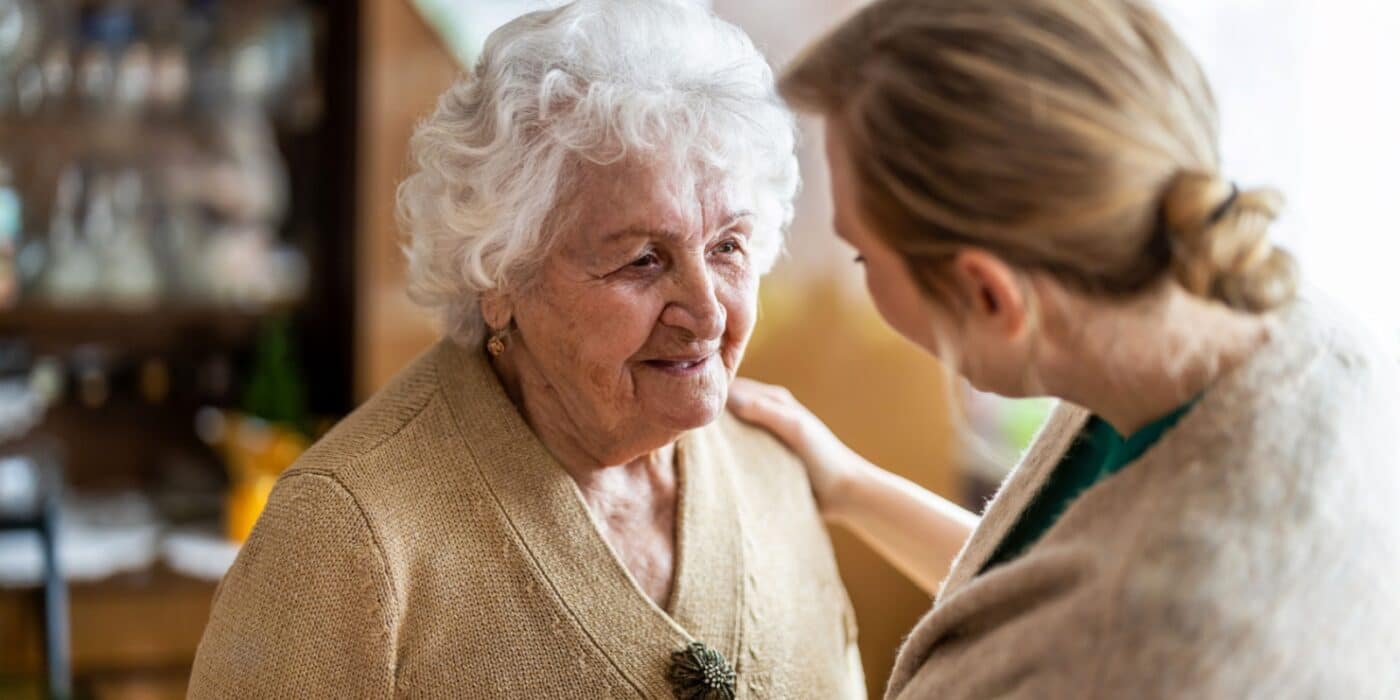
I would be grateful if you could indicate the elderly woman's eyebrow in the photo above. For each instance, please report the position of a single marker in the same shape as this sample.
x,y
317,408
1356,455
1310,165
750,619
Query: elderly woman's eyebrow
x,y
734,219
638,231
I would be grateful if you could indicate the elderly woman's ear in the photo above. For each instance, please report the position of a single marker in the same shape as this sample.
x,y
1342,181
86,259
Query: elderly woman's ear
x,y
495,310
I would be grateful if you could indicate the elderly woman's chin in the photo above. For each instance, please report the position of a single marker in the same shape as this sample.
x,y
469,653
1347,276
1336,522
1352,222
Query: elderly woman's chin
x,y
681,394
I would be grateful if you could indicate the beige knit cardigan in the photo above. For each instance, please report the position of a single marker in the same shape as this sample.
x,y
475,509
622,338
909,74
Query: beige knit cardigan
x,y
1253,552
430,546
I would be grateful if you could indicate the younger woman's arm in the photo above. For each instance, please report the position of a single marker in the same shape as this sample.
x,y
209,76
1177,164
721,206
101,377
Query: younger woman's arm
x,y
914,529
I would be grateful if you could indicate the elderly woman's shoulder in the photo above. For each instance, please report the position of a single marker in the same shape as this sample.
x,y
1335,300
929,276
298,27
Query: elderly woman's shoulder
x,y
388,414
760,454
374,452
751,438
328,555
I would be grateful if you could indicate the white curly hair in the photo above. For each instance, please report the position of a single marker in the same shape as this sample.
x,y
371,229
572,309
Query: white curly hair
x,y
594,81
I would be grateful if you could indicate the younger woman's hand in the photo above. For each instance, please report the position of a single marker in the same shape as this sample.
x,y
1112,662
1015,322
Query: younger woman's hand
x,y
916,530
830,463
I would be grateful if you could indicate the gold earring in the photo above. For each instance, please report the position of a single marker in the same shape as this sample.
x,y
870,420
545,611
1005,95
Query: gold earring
x,y
497,344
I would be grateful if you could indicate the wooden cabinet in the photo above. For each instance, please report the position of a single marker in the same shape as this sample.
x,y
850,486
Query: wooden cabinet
x,y
132,635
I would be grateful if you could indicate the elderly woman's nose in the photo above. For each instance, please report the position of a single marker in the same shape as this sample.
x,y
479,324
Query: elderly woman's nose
x,y
696,306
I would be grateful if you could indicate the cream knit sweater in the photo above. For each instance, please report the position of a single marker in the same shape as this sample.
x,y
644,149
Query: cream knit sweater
x,y
431,547
1254,552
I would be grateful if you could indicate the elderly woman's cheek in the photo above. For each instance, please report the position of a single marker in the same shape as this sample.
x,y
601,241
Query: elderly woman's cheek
x,y
741,307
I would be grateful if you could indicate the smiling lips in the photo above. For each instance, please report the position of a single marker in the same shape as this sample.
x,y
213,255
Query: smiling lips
x,y
680,366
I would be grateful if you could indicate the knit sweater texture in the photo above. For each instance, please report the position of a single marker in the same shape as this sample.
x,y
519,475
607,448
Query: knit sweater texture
x,y
430,546
1253,552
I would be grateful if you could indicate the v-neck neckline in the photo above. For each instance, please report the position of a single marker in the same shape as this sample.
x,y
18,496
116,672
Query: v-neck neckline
x,y
680,539
558,533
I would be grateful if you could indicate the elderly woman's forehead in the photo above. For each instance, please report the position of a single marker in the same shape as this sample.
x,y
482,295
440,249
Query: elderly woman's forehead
x,y
650,193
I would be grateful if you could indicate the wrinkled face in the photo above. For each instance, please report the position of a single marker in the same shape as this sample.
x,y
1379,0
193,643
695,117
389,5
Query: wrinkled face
x,y
639,314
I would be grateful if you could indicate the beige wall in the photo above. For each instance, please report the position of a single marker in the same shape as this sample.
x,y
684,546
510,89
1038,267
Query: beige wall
x,y
817,334
403,69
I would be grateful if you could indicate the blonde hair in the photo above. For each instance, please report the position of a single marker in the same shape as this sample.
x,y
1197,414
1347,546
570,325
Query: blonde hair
x,y
1077,137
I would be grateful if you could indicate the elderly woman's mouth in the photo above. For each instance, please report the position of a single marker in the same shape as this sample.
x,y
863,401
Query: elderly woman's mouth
x,y
680,366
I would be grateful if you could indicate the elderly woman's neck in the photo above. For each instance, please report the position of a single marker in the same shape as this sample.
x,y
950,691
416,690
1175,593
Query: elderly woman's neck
x,y
1139,361
589,454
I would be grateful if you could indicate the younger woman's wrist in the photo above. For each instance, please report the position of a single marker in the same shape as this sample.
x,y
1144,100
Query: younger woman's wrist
x,y
843,497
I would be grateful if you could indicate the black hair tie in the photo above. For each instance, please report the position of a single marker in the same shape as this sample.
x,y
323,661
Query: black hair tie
x,y
1224,208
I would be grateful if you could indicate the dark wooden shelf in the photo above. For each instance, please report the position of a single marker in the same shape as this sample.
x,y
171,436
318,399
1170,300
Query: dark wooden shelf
x,y
146,619
50,328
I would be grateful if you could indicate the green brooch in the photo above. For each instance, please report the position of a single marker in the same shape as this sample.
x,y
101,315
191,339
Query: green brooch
x,y
700,673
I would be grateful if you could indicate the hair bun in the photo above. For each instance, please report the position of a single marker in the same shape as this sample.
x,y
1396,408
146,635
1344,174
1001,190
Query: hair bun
x,y
1220,243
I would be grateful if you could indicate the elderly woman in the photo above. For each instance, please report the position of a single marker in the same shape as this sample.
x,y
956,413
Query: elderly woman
x,y
551,503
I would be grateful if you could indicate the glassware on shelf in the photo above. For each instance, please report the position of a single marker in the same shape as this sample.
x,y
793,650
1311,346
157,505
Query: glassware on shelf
x,y
92,364
181,235
11,223
56,67
245,266
16,20
131,277
29,89
108,32
71,276
132,92
95,76
20,33
155,381
57,57
161,173
170,78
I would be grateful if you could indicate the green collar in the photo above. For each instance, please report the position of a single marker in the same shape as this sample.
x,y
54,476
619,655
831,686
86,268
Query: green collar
x,y
1097,453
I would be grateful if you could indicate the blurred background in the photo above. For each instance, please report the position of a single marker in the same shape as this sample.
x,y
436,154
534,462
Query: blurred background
x,y
199,272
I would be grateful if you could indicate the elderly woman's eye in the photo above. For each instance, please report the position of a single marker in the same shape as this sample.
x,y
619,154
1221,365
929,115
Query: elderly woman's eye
x,y
729,247
645,261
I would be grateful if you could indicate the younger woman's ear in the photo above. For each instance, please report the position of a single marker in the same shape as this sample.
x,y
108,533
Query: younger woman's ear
x,y
991,289
495,310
